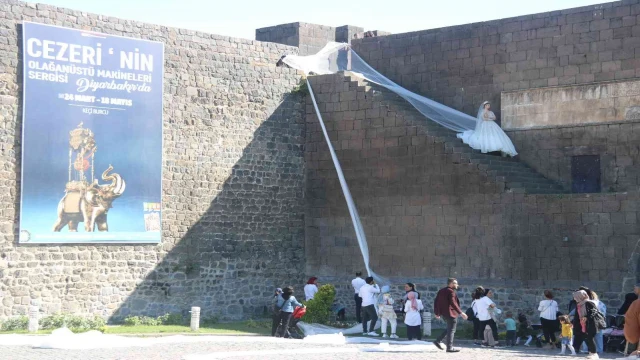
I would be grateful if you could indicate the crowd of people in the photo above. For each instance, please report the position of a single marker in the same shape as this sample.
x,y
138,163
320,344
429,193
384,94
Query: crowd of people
x,y
580,329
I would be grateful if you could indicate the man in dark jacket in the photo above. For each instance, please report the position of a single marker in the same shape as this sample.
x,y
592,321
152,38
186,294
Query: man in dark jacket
x,y
447,305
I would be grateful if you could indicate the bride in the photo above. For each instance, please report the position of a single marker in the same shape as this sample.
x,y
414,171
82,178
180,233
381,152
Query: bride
x,y
488,136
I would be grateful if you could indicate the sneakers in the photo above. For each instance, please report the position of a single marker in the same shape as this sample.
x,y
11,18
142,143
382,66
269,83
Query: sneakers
x,y
365,334
438,344
592,356
373,333
394,336
385,336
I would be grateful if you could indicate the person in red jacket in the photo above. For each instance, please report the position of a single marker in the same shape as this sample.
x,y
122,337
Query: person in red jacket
x,y
447,305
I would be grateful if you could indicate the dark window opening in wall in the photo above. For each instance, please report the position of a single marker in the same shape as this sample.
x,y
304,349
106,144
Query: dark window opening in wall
x,y
585,174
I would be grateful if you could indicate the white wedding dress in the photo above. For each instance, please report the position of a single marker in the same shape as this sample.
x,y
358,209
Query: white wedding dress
x,y
488,136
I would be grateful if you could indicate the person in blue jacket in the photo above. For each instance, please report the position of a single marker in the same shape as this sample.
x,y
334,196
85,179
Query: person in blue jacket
x,y
286,303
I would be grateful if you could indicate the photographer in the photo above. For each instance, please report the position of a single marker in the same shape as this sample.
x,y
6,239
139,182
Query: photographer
x,y
367,293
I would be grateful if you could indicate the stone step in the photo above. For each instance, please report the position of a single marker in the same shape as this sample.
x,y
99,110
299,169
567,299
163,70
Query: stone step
x,y
507,173
529,185
496,164
517,176
528,178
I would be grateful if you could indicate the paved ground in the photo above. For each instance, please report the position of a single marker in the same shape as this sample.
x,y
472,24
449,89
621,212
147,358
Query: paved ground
x,y
266,351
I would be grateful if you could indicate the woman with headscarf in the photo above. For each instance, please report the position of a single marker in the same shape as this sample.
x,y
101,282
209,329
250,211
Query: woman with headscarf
x,y
628,300
311,288
412,319
583,329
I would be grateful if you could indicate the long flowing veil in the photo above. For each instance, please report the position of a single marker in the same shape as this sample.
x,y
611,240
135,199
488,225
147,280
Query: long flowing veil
x,y
335,57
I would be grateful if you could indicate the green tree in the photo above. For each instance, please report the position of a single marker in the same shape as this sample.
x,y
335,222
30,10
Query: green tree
x,y
319,308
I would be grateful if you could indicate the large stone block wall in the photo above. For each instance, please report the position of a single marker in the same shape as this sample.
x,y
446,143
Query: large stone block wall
x,y
550,151
428,215
460,66
574,105
551,125
308,38
515,299
233,184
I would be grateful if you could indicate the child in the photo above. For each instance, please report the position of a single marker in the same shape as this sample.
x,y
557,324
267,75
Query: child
x,y
567,334
412,318
386,313
524,329
511,329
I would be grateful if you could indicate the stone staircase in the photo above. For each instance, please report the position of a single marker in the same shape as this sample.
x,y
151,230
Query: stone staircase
x,y
517,176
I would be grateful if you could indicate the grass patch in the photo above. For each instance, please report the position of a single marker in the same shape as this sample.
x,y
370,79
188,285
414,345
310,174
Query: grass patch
x,y
239,328
249,327
40,332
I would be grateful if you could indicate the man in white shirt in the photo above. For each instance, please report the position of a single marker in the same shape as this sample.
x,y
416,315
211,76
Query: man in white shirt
x,y
357,284
367,293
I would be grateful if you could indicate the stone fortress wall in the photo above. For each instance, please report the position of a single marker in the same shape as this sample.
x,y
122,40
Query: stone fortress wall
x,y
233,182
428,215
251,200
461,66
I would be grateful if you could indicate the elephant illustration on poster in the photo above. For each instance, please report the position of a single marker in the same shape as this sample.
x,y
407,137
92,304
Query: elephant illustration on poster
x,y
89,203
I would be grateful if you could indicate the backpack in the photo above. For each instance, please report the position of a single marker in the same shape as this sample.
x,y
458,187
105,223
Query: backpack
x,y
471,315
597,318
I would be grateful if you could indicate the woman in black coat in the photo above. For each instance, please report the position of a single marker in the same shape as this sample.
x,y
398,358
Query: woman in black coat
x,y
583,329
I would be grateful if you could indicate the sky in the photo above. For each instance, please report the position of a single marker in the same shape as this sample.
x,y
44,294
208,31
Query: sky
x,y
240,18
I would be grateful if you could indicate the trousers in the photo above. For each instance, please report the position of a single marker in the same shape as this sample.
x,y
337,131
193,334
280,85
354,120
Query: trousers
x,y
393,322
579,337
358,301
549,328
413,332
449,332
492,324
283,328
511,337
369,314
477,333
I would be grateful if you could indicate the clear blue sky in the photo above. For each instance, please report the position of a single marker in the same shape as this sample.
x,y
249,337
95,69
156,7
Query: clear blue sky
x,y
240,18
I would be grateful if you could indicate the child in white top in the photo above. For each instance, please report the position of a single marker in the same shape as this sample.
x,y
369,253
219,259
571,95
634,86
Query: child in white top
x,y
412,318
386,313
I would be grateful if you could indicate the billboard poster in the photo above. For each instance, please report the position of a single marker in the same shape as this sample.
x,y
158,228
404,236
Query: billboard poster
x,y
91,137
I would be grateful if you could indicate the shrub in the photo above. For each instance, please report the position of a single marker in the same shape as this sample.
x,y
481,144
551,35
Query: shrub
x,y
166,319
141,320
81,324
52,322
18,323
319,308
171,319
209,321
75,323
